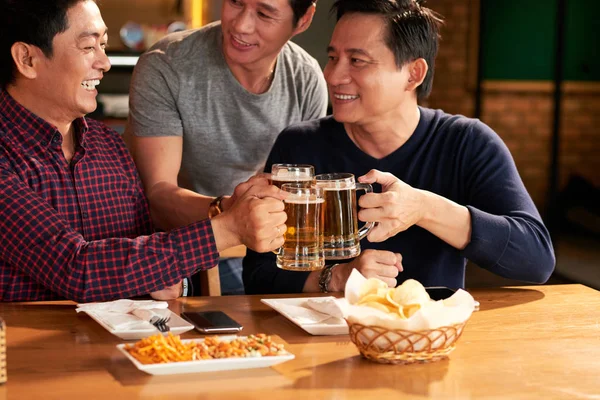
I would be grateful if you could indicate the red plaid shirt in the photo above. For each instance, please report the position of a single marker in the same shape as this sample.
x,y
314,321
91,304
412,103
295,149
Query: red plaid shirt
x,y
82,231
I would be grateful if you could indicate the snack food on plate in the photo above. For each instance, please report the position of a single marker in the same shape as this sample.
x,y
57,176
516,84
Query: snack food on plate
x,y
160,349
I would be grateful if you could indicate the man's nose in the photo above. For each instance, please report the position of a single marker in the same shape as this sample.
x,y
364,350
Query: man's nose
x,y
102,63
244,22
337,74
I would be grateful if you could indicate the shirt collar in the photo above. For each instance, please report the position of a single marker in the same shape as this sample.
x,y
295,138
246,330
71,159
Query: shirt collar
x,y
35,127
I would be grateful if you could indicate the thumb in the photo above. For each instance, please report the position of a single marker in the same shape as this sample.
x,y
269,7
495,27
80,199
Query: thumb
x,y
375,176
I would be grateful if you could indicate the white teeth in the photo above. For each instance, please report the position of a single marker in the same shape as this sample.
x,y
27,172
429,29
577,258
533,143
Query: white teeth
x,y
91,84
345,97
240,42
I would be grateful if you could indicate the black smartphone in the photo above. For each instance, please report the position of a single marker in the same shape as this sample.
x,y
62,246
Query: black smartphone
x,y
439,292
212,321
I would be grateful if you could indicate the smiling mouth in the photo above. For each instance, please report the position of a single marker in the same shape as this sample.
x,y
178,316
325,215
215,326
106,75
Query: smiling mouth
x,y
90,84
240,42
345,96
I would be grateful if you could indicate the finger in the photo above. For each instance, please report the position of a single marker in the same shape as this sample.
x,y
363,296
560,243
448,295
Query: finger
x,y
270,205
399,262
387,271
391,282
372,214
375,176
372,200
381,257
262,192
380,233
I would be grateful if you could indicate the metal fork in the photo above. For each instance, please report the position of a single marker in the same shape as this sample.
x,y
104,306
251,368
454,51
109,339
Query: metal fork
x,y
160,323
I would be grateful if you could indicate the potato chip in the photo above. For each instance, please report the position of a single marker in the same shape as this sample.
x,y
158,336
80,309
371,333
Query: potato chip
x,y
372,298
379,306
410,292
389,296
411,309
370,286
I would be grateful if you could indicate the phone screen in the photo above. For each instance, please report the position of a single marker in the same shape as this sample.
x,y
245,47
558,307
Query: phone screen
x,y
439,292
212,321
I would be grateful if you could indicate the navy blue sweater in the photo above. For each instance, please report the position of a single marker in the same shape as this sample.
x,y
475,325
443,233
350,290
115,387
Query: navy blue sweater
x,y
456,157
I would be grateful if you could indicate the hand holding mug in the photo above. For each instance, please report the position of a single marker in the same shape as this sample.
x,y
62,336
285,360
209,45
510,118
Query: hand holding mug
x,y
257,218
398,207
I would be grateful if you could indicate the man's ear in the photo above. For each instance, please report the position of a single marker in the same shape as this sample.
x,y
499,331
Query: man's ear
x,y
306,20
26,57
417,71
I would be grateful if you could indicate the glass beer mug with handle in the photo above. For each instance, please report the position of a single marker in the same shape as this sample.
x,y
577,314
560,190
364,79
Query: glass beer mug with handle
x,y
292,173
341,236
303,246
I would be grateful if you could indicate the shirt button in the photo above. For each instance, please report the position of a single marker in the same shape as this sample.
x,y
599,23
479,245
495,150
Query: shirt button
x,y
55,139
44,143
85,215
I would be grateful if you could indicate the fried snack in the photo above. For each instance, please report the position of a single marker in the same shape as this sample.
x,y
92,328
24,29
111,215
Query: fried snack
x,y
159,349
401,302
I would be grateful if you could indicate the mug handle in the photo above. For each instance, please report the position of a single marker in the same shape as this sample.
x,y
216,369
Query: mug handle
x,y
364,231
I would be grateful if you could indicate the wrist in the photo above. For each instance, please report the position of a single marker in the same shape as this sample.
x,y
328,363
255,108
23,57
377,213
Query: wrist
x,y
224,232
423,198
339,276
226,203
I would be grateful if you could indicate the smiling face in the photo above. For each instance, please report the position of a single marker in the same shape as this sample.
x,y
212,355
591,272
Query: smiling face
x,y
67,80
365,85
254,31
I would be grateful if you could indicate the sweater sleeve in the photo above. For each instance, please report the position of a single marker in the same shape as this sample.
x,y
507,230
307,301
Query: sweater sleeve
x,y
261,275
508,236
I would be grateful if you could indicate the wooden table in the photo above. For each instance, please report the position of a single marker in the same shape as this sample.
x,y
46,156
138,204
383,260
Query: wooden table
x,y
527,342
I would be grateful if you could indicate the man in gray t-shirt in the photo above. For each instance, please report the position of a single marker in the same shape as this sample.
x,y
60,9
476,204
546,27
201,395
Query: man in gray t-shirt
x,y
206,107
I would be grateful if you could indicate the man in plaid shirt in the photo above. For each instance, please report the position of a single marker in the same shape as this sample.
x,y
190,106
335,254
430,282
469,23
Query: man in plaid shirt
x,y
74,220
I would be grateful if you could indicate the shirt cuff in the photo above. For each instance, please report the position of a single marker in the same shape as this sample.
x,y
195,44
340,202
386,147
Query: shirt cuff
x,y
197,247
489,237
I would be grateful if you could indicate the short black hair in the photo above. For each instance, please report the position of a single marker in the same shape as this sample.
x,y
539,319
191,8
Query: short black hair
x,y
413,31
34,22
300,7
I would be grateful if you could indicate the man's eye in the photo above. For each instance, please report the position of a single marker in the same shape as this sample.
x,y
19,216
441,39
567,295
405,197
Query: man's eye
x,y
263,15
357,61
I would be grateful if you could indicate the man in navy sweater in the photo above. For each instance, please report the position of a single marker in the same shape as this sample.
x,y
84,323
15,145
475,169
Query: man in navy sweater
x,y
450,190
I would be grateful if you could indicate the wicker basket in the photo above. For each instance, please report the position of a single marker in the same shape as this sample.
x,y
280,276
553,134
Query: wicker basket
x,y
398,346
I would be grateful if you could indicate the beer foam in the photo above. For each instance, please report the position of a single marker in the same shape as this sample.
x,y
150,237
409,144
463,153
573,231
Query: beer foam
x,y
302,200
335,186
286,176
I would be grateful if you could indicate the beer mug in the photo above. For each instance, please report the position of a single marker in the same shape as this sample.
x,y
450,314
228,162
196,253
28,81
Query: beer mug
x,y
341,236
292,173
303,246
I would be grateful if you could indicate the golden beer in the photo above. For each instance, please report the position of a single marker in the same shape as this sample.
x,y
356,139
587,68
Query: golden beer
x,y
292,173
341,236
303,246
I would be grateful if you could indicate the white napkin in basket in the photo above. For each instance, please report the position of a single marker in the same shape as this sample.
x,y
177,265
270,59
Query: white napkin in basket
x,y
118,314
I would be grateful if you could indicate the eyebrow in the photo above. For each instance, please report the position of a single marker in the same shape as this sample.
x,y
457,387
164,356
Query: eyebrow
x,y
269,7
86,34
351,51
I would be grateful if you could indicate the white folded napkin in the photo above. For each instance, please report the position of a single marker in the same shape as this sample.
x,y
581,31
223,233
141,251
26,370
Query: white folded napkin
x,y
118,314
314,311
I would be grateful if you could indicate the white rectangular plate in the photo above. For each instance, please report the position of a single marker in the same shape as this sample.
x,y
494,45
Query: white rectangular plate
x,y
331,326
220,364
177,324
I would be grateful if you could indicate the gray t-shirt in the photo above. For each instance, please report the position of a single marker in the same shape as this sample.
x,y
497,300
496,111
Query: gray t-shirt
x,y
183,87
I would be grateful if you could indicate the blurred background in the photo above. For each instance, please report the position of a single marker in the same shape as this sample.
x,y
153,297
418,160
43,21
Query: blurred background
x,y
528,69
